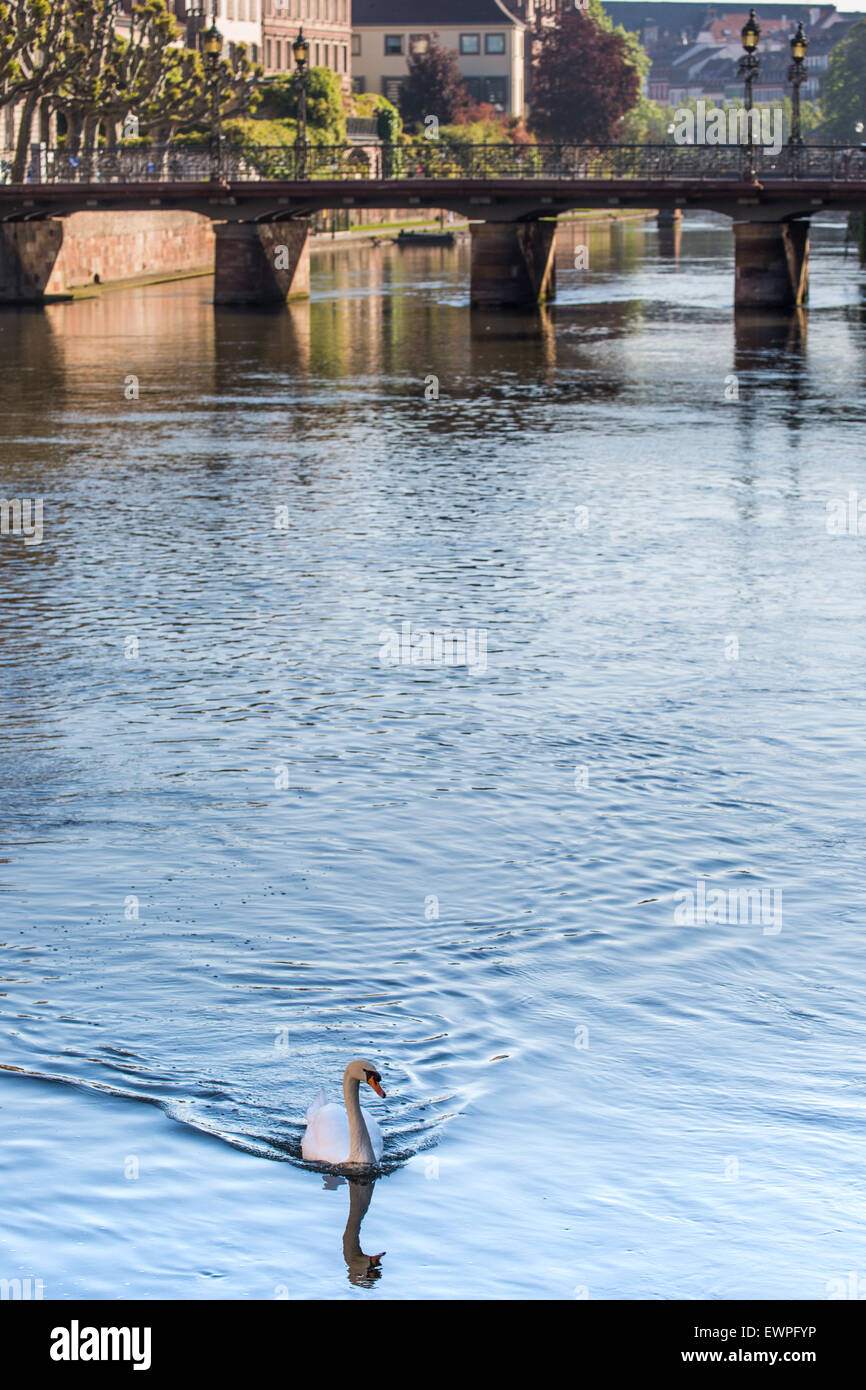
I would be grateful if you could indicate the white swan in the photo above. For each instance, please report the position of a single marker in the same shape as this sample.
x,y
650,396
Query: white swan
x,y
337,1136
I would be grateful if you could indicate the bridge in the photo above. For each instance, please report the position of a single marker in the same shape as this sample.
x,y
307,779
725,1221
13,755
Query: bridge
x,y
261,201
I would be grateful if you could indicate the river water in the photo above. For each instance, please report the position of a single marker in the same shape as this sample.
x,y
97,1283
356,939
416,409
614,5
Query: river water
x,y
244,840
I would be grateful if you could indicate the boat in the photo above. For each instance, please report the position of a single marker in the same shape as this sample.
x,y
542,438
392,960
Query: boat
x,y
426,238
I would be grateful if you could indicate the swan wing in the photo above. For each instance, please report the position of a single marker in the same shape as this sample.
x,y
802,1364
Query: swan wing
x,y
327,1135
375,1134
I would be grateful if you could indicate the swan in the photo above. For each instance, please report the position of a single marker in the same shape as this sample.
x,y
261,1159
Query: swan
x,y
337,1136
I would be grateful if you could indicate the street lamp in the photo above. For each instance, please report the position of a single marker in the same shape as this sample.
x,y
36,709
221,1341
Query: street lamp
x,y
301,51
212,47
750,65
797,76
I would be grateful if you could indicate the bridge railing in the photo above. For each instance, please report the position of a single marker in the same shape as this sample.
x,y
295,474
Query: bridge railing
x,y
425,159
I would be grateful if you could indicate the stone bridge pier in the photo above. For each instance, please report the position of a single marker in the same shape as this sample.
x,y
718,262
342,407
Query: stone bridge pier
x,y
771,264
261,262
512,263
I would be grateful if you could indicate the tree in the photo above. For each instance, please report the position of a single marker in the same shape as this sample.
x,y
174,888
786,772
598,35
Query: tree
x,y
36,52
586,79
70,53
325,111
843,94
143,70
187,94
33,36
434,87
87,88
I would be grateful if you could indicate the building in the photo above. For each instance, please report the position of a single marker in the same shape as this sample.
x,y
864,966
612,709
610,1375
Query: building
x,y
239,21
695,49
488,38
327,26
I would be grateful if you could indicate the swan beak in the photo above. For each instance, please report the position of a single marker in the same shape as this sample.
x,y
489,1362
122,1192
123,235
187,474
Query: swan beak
x,y
377,1088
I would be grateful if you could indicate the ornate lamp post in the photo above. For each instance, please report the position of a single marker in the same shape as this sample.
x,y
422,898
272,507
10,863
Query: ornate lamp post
x,y
750,65
301,51
796,77
212,47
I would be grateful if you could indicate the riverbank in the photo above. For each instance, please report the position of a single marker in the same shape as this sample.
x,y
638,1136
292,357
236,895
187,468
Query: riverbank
x,y
379,233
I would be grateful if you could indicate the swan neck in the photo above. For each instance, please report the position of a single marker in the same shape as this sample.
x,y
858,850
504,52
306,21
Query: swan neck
x,y
360,1148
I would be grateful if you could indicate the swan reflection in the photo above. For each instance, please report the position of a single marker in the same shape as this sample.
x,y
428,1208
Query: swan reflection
x,y
363,1269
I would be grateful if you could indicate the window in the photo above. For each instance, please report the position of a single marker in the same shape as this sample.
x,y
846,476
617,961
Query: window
x,y
495,91
356,45
470,43
391,88
419,43
359,85
393,45
494,43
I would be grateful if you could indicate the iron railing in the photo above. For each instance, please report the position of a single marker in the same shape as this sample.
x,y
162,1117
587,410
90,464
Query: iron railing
x,y
437,160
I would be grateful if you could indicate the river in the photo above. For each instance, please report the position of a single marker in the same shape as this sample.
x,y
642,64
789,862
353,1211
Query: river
x,y
246,837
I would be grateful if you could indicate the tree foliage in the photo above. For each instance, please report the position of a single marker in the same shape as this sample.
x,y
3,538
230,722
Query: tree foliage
x,y
843,93
35,46
434,87
69,55
586,79
325,111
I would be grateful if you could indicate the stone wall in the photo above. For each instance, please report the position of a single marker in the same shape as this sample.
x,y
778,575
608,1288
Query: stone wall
x,y
63,254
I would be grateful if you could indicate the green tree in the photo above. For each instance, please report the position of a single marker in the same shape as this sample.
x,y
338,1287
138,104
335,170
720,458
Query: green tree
x,y
325,110
144,70
94,78
87,85
31,31
36,51
843,93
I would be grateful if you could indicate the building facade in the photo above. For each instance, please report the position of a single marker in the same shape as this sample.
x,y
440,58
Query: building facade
x,y
239,21
486,35
327,25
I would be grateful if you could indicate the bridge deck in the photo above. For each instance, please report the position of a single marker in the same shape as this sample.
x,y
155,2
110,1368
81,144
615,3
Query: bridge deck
x,y
490,183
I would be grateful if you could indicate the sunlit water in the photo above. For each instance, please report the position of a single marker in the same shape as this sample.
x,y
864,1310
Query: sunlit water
x,y
238,849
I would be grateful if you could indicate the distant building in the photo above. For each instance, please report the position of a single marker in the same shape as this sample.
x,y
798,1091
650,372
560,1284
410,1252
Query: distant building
x,y
486,35
695,48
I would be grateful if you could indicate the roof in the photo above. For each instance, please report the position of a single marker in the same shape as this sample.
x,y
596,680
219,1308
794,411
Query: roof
x,y
676,15
404,14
